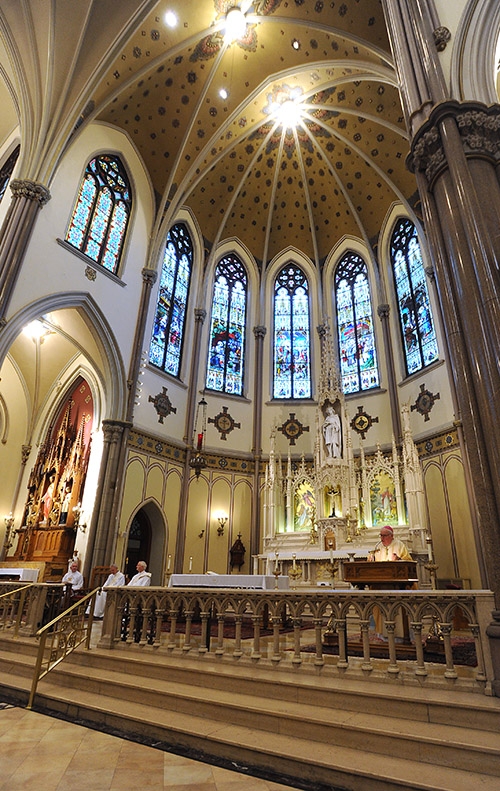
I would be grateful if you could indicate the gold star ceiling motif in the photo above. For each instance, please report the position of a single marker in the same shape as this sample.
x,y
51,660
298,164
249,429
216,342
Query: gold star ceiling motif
x,y
242,171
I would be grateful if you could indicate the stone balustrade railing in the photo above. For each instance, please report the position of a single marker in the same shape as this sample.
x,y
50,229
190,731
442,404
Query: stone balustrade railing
x,y
25,607
435,638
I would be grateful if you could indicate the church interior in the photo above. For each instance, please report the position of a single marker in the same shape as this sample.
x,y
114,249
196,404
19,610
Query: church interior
x,y
249,289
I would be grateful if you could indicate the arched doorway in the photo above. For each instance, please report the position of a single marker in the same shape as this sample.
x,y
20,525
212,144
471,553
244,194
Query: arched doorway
x,y
139,543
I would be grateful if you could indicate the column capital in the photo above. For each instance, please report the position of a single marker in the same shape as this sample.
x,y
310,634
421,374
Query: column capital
x,y
149,276
114,429
479,129
260,332
384,311
25,188
200,315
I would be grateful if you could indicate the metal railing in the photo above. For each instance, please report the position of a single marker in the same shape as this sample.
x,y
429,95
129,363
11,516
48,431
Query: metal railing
x,y
432,637
61,636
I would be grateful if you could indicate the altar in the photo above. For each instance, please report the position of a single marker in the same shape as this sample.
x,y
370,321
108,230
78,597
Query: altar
x,y
21,574
247,581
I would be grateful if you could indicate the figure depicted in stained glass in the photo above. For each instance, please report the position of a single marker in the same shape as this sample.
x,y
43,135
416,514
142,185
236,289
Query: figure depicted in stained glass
x,y
292,366
358,359
417,328
227,329
168,330
100,218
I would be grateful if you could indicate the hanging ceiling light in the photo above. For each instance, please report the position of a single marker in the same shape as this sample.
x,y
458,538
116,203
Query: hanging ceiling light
x,y
198,461
236,25
289,114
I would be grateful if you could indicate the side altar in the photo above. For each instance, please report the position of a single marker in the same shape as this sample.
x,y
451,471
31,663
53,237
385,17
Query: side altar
x,y
324,512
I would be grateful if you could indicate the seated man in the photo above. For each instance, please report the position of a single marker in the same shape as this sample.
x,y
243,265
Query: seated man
x,y
389,548
73,577
142,578
115,580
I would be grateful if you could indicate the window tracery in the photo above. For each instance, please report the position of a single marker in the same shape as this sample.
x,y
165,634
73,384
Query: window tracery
x,y
415,316
356,337
100,218
226,352
292,343
168,329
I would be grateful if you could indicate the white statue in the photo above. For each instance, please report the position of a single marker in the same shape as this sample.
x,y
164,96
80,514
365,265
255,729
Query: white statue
x,y
332,433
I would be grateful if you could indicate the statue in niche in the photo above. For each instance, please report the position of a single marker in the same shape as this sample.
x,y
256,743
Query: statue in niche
x,y
332,433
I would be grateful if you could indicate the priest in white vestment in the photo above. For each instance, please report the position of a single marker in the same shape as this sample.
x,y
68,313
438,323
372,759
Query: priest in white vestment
x,y
142,578
115,579
73,577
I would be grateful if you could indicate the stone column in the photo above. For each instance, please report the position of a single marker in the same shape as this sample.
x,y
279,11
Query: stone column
x,y
102,531
199,318
384,313
455,151
259,334
27,198
148,280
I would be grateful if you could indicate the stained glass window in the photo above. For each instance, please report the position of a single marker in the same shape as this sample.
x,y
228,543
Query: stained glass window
x,y
7,169
227,329
356,337
292,345
417,327
168,330
102,212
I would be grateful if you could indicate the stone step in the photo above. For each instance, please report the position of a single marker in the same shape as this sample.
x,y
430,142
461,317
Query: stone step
x,y
293,724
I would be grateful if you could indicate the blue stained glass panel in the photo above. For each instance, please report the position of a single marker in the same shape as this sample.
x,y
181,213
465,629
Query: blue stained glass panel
x,y
168,329
292,345
101,214
356,337
415,315
225,364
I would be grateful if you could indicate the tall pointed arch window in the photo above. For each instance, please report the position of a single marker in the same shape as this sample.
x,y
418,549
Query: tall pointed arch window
x,y
292,337
417,327
99,221
226,353
7,169
168,329
357,353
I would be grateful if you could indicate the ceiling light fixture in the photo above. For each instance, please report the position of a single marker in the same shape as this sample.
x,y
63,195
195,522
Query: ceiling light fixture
x,y
295,43
289,113
236,25
170,19
223,93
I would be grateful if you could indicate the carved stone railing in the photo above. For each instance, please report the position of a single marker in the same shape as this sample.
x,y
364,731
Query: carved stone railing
x,y
24,608
425,634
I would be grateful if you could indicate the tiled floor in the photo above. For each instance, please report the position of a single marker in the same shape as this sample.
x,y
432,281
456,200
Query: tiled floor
x,y
47,754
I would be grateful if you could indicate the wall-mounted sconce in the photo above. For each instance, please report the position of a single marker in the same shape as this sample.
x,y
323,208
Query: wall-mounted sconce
x,y
222,519
201,534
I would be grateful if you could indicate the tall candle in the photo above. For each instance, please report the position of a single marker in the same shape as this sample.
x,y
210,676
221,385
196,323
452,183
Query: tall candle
x,y
169,561
331,556
190,564
293,558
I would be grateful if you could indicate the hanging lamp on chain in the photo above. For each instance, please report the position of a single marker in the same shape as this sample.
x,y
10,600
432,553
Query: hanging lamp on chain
x,y
198,460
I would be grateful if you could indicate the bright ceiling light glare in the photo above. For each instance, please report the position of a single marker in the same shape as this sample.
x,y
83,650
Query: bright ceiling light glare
x,y
35,330
223,93
289,113
170,19
295,43
236,25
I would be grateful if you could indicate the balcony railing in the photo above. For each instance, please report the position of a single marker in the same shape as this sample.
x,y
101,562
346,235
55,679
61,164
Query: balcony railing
x,y
431,637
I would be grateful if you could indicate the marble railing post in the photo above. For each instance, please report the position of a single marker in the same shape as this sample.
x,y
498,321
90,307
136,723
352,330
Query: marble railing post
x,y
27,198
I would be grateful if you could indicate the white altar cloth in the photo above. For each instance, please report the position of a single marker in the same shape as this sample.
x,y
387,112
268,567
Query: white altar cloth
x,y
26,575
255,581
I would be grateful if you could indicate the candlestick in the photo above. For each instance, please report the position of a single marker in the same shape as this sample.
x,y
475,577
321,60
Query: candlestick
x,y
190,564
293,559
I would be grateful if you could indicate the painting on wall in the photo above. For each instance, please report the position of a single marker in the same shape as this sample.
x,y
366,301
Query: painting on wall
x,y
383,500
305,507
